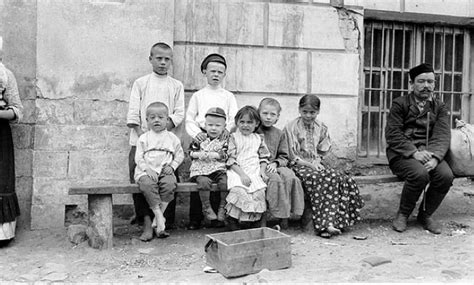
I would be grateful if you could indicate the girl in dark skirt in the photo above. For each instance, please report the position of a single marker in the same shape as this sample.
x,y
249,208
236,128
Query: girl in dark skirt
x,y
10,110
334,196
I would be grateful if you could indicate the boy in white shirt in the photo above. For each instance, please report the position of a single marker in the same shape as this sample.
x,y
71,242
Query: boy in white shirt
x,y
155,87
213,95
158,155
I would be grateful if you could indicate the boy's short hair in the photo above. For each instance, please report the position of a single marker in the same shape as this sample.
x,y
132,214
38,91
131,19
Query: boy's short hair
x,y
213,57
157,105
161,45
271,102
216,112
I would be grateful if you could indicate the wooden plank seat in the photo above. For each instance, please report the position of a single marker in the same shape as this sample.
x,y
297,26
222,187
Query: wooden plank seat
x,y
100,228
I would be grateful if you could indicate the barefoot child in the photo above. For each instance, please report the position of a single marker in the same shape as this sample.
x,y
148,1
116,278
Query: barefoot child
x,y
158,154
248,158
334,196
157,86
214,68
208,165
285,194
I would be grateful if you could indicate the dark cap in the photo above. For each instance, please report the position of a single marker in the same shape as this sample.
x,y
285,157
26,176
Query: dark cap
x,y
217,112
422,68
213,57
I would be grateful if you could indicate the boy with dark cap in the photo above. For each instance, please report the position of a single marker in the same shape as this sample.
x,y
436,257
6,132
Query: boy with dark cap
x,y
209,163
418,134
214,68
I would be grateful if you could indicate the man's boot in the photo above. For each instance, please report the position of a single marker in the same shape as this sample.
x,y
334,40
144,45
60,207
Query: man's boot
x,y
400,222
429,223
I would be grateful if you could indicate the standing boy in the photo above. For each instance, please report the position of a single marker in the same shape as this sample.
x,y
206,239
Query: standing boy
x,y
214,68
154,87
158,155
209,163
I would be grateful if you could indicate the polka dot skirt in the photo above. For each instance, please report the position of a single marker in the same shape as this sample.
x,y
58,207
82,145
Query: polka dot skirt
x,y
334,197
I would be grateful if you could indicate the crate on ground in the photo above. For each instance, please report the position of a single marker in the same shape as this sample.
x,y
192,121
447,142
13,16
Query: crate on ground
x,y
248,251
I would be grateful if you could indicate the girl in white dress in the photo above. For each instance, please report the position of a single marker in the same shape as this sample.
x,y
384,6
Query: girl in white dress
x,y
248,159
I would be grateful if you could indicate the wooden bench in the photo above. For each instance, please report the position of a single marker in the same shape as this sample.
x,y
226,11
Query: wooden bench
x,y
99,197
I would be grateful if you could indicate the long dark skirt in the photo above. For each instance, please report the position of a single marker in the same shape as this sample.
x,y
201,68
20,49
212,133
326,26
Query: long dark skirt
x,y
334,197
9,208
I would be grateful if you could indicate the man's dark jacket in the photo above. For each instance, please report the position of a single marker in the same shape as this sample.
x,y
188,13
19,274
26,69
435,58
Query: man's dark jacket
x,y
405,132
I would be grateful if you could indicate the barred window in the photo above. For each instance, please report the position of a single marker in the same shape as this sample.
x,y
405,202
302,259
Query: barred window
x,y
390,50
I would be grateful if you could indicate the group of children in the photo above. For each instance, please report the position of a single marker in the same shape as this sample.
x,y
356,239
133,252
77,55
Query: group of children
x,y
241,151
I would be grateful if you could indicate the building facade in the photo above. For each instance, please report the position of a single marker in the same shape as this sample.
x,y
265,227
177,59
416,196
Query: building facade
x,y
75,62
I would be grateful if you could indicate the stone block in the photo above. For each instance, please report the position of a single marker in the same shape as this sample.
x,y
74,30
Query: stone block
x,y
24,220
23,162
60,112
50,164
98,165
63,137
335,73
22,136
377,4
227,22
24,188
340,115
47,216
92,51
103,113
248,70
459,8
76,233
29,112
47,191
301,26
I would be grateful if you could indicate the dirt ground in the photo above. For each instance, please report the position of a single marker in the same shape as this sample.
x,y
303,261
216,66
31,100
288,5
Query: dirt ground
x,y
414,256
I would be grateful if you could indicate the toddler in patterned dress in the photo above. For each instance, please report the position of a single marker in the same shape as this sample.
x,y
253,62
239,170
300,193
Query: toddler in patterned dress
x,y
208,163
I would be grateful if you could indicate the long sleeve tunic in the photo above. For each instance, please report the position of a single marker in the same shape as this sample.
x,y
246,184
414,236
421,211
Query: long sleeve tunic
x,y
406,128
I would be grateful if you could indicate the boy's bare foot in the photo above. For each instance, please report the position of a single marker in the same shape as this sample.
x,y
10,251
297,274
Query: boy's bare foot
x,y
147,234
333,231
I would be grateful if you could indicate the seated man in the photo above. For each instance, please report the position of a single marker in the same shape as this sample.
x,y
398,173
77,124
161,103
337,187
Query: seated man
x,y
418,136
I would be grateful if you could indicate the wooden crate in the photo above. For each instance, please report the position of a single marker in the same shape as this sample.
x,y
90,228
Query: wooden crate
x,y
248,251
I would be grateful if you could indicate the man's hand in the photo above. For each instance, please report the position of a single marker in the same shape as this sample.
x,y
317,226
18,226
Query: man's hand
x,y
200,137
422,156
272,167
245,180
170,125
152,174
431,164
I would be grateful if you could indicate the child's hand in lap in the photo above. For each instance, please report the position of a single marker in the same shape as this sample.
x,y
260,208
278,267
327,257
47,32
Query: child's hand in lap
x,y
152,174
318,166
200,137
167,170
245,180
272,167
264,176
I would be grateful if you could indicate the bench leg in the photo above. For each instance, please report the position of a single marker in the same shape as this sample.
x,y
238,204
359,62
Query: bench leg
x,y
100,229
